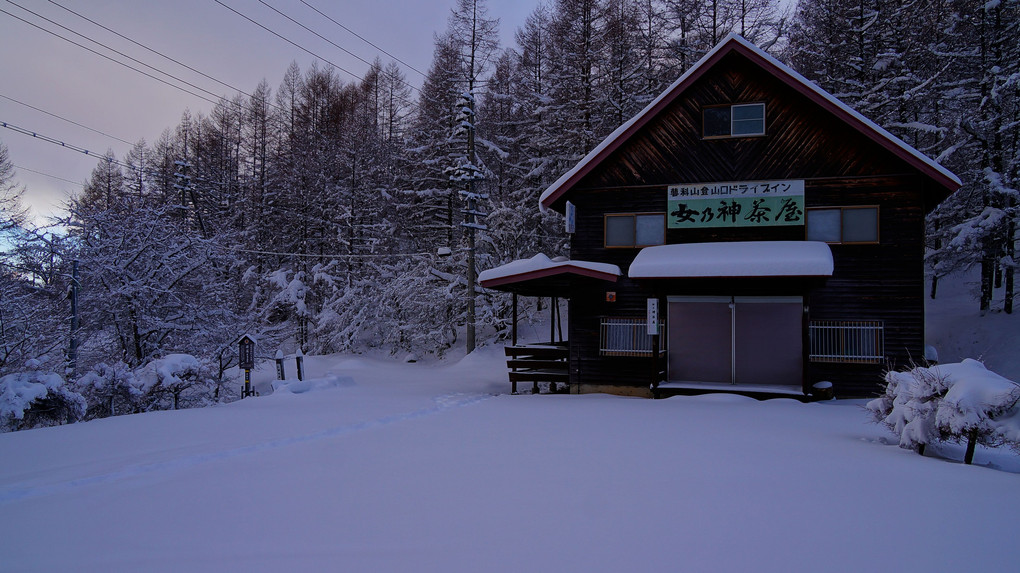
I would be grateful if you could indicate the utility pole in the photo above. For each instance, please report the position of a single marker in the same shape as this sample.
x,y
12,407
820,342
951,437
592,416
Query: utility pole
x,y
471,173
72,351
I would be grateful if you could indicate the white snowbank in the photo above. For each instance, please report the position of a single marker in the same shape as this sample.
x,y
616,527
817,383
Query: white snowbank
x,y
311,385
735,259
420,467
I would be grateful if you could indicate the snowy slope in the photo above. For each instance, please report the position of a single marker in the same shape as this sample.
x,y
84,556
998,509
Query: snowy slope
x,y
418,467
957,330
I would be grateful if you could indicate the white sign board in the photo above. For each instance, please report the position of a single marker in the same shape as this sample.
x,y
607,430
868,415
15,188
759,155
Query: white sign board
x,y
653,316
571,218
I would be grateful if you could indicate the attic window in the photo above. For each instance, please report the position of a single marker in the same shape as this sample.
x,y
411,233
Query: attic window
x,y
734,120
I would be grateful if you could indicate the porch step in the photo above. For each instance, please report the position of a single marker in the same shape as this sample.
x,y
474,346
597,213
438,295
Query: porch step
x,y
539,375
758,392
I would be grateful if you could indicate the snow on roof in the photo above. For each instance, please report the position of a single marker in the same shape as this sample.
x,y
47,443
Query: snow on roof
x,y
737,259
553,191
542,265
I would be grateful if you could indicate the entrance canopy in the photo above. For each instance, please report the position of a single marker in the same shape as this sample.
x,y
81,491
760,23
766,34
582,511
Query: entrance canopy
x,y
542,276
735,259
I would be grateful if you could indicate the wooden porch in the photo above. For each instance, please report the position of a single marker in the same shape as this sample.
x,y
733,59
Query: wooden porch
x,y
544,362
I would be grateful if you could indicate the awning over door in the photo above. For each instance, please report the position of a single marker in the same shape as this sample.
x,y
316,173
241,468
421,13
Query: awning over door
x,y
542,276
734,259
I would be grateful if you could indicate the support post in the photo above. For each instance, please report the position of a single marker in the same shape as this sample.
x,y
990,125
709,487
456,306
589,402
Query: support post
x,y
299,360
469,338
655,365
552,319
559,321
513,329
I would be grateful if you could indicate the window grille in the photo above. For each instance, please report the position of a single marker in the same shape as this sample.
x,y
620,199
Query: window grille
x,y
848,341
628,337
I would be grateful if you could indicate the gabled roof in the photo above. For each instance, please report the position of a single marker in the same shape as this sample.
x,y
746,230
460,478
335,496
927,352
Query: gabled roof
x,y
736,43
542,276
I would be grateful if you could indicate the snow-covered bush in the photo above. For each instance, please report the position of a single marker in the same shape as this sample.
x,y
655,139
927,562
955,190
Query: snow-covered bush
x,y
980,408
173,382
962,402
908,405
36,398
110,390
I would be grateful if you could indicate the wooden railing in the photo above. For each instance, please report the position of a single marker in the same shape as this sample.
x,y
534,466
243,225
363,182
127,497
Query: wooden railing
x,y
538,363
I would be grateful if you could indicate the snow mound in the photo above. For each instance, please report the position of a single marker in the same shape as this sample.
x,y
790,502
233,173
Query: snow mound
x,y
311,385
718,398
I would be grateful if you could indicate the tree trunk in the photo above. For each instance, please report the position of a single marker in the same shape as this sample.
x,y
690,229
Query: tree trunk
x,y
987,269
1007,303
968,457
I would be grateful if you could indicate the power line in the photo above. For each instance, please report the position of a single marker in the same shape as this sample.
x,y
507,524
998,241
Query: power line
x,y
161,80
318,35
65,119
107,158
79,184
157,52
306,50
407,65
328,256
54,141
119,53
289,41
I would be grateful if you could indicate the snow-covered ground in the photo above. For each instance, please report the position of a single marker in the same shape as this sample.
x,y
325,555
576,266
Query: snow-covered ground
x,y
377,465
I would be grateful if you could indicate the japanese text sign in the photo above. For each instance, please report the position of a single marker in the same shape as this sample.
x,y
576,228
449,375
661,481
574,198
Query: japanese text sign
x,y
736,204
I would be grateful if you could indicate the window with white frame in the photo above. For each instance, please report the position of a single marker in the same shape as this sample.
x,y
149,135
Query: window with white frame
x,y
843,224
739,120
635,229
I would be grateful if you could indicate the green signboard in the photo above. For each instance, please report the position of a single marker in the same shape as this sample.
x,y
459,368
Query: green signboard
x,y
736,204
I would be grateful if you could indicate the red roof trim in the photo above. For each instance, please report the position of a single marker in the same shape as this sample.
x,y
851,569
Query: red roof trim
x,y
548,272
730,45
647,116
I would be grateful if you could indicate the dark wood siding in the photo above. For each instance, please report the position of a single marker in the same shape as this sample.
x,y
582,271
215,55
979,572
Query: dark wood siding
x,y
840,166
875,282
802,141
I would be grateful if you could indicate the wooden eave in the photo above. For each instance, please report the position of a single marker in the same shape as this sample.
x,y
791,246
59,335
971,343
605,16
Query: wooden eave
x,y
554,197
555,281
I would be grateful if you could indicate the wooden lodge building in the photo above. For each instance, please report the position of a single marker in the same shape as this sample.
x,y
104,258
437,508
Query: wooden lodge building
x,y
779,234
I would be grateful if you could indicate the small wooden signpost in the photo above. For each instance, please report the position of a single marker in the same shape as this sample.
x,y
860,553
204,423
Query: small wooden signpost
x,y
652,319
280,374
246,362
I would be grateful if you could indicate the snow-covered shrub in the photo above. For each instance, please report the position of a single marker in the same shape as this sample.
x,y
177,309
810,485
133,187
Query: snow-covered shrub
x,y
980,408
37,398
175,381
110,390
909,404
962,402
